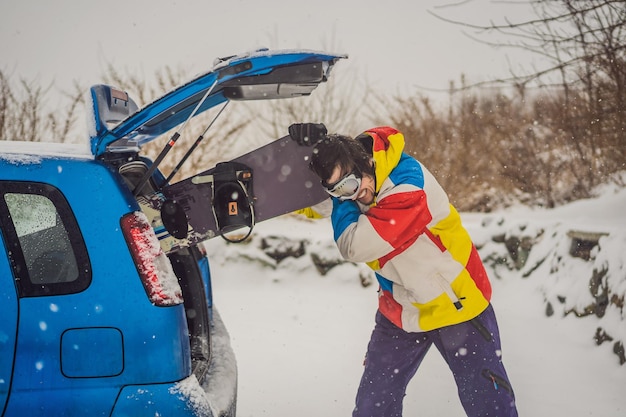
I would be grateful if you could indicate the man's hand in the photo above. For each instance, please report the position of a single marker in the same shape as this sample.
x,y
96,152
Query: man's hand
x,y
307,134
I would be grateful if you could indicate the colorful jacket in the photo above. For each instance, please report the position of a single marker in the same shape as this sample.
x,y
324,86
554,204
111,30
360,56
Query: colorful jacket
x,y
429,271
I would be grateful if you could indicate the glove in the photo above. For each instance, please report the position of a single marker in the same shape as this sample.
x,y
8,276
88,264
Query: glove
x,y
307,134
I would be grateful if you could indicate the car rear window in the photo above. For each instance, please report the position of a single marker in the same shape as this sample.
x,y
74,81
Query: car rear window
x,y
43,240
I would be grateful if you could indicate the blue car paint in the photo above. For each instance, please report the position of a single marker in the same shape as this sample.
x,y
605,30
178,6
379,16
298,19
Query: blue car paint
x,y
9,309
148,401
205,270
115,300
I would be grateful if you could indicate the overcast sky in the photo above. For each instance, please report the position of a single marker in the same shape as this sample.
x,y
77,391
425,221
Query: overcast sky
x,y
396,44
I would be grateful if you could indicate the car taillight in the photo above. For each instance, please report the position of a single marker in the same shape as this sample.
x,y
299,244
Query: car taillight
x,y
155,270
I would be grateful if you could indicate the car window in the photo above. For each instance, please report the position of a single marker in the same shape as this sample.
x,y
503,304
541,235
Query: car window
x,y
45,245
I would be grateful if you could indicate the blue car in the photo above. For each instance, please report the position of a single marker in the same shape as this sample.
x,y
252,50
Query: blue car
x,y
98,315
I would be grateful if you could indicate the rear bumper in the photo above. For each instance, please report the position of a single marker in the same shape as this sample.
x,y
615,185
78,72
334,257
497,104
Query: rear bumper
x,y
182,399
215,397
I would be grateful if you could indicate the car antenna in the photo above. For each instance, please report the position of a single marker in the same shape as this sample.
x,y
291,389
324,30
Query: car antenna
x,y
195,145
170,144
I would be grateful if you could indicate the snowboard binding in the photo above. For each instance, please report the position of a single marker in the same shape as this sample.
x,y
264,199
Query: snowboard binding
x,y
231,203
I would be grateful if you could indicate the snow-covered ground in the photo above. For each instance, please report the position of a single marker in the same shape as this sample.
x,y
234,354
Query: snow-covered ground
x,y
300,337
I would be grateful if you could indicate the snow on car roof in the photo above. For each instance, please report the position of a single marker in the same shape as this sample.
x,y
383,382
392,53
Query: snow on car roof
x,y
32,152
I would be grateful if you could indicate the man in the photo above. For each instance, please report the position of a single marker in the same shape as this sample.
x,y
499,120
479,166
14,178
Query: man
x,y
390,212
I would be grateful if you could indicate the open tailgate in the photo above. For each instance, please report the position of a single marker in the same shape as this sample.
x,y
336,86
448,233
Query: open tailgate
x,y
118,125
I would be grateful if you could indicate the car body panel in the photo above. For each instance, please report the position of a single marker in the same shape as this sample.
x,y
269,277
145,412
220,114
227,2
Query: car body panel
x,y
115,303
147,400
8,328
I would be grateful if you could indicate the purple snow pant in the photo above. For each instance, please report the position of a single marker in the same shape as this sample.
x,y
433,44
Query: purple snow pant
x,y
471,350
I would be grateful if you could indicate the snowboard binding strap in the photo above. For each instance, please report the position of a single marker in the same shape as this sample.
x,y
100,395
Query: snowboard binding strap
x,y
231,204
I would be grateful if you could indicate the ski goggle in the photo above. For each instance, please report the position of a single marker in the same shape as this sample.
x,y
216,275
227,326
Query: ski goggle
x,y
346,188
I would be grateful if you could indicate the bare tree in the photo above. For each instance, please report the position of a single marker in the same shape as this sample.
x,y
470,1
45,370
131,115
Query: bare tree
x,y
583,43
25,116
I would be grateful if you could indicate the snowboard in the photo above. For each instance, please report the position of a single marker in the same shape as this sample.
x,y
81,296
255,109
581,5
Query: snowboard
x,y
267,182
